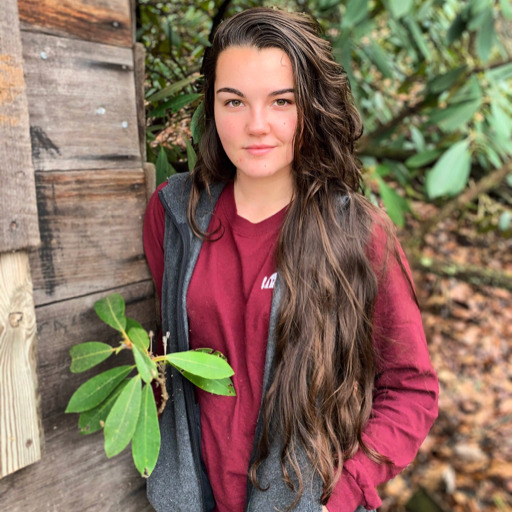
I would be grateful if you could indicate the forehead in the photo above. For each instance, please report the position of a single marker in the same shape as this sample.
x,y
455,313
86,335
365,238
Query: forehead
x,y
250,65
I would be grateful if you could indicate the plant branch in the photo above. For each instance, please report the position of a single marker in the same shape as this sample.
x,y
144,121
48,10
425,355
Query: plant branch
x,y
458,203
472,274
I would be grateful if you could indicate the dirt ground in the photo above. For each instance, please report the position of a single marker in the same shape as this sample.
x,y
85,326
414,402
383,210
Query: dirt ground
x,y
465,464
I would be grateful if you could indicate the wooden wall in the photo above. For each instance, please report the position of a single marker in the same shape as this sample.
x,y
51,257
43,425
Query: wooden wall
x,y
85,136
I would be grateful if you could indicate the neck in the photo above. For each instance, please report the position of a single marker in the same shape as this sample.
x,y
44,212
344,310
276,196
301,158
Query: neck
x,y
258,199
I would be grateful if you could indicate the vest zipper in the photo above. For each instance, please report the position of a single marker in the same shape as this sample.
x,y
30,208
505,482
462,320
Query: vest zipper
x,y
188,390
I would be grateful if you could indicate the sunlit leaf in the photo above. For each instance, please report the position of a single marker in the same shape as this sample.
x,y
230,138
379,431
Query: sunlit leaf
x,y
500,73
146,440
505,221
88,354
122,419
200,363
92,392
450,174
162,166
111,310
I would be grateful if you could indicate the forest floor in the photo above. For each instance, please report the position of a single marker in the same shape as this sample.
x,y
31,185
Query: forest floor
x,y
465,464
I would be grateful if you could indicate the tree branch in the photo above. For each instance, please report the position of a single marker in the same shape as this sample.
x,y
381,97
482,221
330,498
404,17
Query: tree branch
x,y
473,274
485,184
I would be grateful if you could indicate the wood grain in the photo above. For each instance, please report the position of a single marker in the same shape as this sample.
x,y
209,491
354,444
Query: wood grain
x,y
139,67
81,99
18,212
75,474
20,429
104,21
91,232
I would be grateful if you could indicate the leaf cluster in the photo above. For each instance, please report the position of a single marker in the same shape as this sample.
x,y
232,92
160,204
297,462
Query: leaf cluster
x,y
121,400
432,80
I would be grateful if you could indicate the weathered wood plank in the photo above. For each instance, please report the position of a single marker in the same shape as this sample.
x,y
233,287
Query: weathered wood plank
x,y
103,21
18,212
75,474
82,108
20,429
91,232
139,67
64,324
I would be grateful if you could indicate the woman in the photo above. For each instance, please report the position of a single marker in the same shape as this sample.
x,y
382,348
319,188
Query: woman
x,y
268,253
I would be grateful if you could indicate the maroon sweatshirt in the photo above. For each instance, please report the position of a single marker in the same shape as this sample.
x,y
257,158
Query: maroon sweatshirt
x,y
228,305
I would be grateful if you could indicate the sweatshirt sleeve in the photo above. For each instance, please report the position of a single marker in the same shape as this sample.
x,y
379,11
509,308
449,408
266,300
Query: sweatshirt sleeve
x,y
153,238
406,388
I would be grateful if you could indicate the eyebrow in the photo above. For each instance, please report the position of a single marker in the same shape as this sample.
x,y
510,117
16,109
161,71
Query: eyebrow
x,y
230,90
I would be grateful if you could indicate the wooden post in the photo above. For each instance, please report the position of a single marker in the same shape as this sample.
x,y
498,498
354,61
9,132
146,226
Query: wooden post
x,y
20,430
20,425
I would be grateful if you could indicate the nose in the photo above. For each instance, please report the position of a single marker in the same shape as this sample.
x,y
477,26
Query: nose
x,y
258,122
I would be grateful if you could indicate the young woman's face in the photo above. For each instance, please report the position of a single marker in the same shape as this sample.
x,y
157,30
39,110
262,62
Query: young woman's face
x,y
255,110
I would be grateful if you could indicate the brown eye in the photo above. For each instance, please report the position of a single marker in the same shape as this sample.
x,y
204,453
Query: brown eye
x,y
234,103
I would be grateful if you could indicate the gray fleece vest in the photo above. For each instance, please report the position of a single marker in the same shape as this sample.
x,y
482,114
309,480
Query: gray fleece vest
x,y
176,484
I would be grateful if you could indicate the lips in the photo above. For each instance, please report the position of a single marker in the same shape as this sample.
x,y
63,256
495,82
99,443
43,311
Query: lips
x,y
258,149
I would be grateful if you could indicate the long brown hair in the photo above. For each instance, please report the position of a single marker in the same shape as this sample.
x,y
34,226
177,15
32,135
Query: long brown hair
x,y
321,393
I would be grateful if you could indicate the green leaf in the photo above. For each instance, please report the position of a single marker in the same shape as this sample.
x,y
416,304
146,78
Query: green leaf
x,y
146,440
222,387
199,363
423,158
162,166
450,174
506,9
93,420
380,59
500,121
92,392
191,156
418,37
500,73
400,8
122,419
173,105
88,354
443,82
139,337
197,123
395,204
505,221
171,90
111,311
485,36
355,12
145,365
456,29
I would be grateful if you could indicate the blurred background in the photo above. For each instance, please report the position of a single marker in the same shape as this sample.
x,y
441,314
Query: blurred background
x,y
432,80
